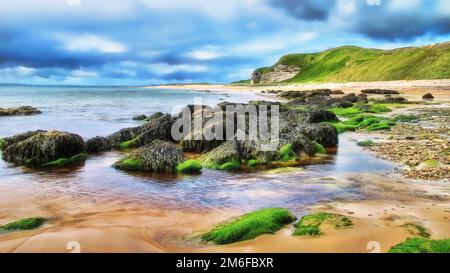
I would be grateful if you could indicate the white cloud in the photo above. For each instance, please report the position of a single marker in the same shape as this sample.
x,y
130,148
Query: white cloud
x,y
84,74
404,4
346,7
89,42
16,72
164,68
306,36
206,53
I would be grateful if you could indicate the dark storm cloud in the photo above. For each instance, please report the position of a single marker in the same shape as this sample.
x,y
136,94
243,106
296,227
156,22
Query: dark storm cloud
x,y
306,9
383,22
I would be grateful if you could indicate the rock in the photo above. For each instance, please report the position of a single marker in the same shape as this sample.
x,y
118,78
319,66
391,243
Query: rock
x,y
140,117
159,156
361,98
319,115
7,141
337,92
98,144
226,152
350,98
380,91
44,147
391,100
300,143
124,135
19,111
155,128
323,134
278,73
430,164
255,77
155,115
428,96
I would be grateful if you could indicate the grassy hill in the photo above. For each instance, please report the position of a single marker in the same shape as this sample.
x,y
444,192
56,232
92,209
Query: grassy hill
x,y
352,63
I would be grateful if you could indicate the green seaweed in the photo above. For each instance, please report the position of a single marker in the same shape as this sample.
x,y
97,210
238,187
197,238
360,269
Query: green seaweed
x,y
252,163
417,230
250,226
310,224
2,143
230,166
189,166
62,161
287,153
132,143
319,149
24,224
79,157
422,245
130,164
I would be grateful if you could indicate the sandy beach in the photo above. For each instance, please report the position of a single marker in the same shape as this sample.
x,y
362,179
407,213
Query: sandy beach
x,y
409,89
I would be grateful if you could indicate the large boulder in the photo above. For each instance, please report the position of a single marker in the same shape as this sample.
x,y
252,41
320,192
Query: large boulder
x,y
7,141
98,144
42,147
320,115
159,156
158,127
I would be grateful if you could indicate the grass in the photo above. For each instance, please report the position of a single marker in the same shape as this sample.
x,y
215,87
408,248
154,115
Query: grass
x,y
23,224
189,166
319,149
250,226
422,245
286,152
365,143
352,63
310,224
230,166
128,144
66,161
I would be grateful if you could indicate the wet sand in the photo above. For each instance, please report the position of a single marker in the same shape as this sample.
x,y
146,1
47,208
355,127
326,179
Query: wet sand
x,y
106,225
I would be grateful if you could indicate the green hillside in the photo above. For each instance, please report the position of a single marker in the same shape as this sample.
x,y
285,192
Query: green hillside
x,y
351,63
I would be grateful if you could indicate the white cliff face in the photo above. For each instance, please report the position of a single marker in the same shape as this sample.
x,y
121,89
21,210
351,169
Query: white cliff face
x,y
280,73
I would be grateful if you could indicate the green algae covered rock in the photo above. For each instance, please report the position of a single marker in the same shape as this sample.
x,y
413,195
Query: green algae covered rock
x,y
250,226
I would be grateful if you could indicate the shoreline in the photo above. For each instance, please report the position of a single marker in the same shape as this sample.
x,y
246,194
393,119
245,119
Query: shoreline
x,y
412,90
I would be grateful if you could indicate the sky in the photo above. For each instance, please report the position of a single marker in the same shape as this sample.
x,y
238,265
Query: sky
x,y
141,42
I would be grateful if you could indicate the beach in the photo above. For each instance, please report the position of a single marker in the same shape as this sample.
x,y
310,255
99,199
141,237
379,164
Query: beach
x,y
104,210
